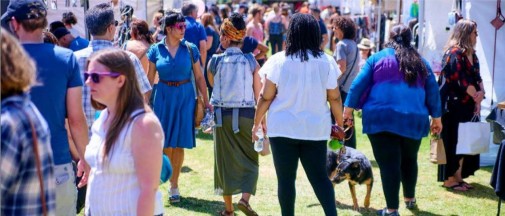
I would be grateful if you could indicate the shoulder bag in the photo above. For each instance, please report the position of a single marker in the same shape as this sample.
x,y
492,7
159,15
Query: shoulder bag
x,y
199,106
349,73
38,164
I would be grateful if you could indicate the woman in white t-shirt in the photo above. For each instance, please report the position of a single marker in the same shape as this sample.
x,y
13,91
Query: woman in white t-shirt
x,y
125,148
298,85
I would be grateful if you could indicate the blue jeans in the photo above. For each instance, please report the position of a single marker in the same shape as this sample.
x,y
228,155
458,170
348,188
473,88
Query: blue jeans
x,y
312,154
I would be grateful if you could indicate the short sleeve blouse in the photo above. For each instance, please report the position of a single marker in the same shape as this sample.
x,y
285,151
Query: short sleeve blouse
x,y
173,68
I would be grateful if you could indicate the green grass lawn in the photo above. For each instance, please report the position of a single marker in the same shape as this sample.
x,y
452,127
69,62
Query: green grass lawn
x,y
197,188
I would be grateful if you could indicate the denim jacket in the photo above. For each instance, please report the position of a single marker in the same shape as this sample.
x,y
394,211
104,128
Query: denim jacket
x,y
233,79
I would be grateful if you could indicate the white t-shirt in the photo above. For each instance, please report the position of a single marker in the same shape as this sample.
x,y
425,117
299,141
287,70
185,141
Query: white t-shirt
x,y
300,109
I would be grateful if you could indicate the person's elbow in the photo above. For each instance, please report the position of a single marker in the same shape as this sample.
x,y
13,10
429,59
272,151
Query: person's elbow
x,y
76,117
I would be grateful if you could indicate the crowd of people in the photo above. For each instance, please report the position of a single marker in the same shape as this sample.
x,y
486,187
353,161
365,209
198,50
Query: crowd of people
x,y
85,123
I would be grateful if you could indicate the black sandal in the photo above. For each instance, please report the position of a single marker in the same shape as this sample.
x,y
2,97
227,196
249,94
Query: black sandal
x,y
246,208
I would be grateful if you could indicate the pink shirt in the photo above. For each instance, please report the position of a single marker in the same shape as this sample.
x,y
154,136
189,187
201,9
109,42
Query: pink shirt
x,y
257,33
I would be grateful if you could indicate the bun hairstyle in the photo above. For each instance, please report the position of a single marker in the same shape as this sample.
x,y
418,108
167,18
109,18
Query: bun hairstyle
x,y
410,62
171,18
69,18
140,30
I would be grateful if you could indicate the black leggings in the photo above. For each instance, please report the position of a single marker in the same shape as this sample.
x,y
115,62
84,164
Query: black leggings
x,y
312,154
397,159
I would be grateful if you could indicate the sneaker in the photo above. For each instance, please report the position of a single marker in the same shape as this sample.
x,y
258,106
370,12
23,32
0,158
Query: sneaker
x,y
411,204
384,212
175,196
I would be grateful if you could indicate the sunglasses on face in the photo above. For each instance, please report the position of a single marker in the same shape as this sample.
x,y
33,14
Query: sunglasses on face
x,y
95,76
115,23
180,26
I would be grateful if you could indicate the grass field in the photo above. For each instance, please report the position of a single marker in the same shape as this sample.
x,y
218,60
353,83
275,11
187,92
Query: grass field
x,y
197,183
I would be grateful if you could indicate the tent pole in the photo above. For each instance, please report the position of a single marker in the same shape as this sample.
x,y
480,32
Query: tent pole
x,y
421,26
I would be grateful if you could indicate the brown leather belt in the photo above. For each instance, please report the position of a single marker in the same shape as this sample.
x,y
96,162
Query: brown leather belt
x,y
175,83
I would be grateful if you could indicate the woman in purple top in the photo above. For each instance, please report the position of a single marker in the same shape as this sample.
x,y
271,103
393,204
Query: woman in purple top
x,y
397,91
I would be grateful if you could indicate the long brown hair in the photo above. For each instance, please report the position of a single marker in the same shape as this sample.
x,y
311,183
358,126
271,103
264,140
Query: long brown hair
x,y
129,99
410,62
208,20
140,31
460,35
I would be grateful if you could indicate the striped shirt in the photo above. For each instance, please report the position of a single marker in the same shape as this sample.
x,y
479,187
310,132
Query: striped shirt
x,y
83,55
19,183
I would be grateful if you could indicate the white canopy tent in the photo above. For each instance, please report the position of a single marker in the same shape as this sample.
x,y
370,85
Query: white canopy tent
x,y
435,35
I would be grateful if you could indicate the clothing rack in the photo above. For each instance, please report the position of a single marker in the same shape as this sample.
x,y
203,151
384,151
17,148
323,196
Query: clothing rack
x,y
501,105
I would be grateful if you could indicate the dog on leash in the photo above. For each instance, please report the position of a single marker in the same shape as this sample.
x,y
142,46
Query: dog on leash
x,y
351,165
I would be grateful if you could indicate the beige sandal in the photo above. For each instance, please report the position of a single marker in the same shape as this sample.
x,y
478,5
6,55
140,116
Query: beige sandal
x,y
246,208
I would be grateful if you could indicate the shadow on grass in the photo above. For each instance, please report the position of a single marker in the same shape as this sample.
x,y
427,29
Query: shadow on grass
x,y
374,164
204,136
186,169
193,204
342,206
425,213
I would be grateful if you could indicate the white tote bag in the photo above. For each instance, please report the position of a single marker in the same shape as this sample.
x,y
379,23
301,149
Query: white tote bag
x,y
473,137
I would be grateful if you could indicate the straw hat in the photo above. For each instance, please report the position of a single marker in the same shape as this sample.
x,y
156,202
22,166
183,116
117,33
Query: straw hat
x,y
366,44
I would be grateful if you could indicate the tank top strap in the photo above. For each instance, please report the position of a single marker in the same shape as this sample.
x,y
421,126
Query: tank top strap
x,y
128,133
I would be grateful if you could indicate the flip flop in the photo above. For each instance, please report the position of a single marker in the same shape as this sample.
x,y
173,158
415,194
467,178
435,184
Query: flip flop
x,y
456,187
246,208
466,184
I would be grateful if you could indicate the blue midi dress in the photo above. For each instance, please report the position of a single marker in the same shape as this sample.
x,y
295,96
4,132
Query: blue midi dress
x,y
175,105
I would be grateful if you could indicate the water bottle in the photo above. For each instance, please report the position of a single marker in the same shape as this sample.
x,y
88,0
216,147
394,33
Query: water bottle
x,y
258,144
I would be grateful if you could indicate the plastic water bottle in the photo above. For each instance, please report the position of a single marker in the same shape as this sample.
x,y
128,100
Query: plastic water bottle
x,y
258,145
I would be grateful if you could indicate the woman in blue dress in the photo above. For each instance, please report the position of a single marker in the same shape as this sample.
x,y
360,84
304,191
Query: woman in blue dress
x,y
174,96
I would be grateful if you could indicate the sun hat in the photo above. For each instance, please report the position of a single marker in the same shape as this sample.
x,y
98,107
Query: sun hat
x,y
366,44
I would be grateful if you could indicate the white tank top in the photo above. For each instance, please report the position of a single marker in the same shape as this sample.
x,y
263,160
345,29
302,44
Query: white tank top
x,y
113,188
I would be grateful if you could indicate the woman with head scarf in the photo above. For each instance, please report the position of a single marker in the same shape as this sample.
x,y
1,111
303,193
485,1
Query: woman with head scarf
x,y
234,77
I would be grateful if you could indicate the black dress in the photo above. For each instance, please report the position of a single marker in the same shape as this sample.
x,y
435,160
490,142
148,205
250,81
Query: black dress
x,y
458,107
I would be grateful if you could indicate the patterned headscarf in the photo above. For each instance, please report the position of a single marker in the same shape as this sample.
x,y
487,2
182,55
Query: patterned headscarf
x,y
230,31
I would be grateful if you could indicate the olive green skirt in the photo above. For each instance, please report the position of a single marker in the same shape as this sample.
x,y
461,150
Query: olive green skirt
x,y
236,161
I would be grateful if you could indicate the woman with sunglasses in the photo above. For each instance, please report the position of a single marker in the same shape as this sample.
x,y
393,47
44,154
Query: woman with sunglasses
x,y
174,95
126,141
